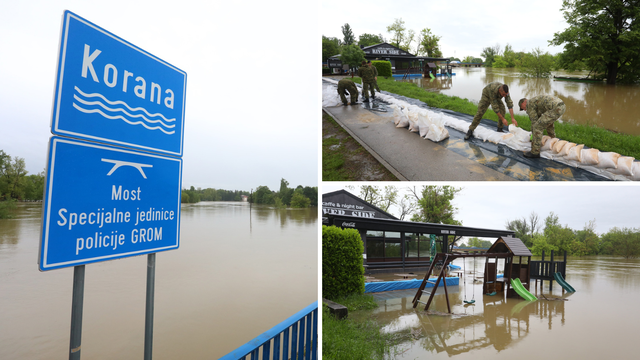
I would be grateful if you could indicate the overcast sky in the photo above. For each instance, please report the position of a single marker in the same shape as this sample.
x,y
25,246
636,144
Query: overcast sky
x,y
465,26
253,99
492,205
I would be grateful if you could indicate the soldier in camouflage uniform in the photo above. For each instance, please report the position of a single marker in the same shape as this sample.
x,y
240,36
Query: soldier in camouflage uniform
x,y
543,110
375,76
366,74
349,87
492,94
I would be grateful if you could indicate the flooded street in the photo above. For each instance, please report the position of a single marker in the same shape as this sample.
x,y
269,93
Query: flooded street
x,y
238,272
614,107
598,321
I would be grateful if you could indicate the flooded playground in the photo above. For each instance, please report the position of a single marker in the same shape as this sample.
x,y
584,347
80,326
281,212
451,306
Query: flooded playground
x,y
238,272
613,107
598,321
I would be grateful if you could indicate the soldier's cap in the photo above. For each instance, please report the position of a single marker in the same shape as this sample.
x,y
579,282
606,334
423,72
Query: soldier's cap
x,y
369,62
520,103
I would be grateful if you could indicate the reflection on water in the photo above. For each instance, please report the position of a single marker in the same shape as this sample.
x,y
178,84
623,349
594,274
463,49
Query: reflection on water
x,y
600,312
239,271
614,107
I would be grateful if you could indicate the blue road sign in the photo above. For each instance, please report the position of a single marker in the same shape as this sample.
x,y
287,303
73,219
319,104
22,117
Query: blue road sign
x,y
103,202
109,90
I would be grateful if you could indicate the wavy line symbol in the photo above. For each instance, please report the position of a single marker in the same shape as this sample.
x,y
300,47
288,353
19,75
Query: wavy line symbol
x,y
96,103
119,163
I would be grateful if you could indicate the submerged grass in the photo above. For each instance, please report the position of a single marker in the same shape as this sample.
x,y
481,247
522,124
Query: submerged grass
x,y
591,136
354,339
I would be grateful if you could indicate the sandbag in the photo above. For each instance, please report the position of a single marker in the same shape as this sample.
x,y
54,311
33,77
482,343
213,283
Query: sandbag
x,y
566,148
608,160
437,133
625,165
635,169
549,144
559,145
506,137
575,153
403,120
589,156
520,134
423,124
545,138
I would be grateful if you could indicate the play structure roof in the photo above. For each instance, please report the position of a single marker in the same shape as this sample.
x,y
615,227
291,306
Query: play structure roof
x,y
510,244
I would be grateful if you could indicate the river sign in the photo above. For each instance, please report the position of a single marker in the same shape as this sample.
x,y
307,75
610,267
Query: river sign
x,y
108,90
103,202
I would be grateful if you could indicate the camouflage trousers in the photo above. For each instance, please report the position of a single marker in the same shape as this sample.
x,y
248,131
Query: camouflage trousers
x,y
545,121
351,89
366,87
375,84
483,105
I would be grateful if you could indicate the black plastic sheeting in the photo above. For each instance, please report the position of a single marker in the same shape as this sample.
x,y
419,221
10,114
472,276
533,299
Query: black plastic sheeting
x,y
496,156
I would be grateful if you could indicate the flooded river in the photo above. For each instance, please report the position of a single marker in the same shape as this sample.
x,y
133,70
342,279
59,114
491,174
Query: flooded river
x,y
614,107
237,273
598,321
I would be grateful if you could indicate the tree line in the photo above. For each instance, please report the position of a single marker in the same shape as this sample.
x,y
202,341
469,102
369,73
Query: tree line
x,y
299,197
601,37
550,235
15,183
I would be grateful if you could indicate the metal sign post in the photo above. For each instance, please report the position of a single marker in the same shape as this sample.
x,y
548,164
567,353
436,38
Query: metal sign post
x,y
148,318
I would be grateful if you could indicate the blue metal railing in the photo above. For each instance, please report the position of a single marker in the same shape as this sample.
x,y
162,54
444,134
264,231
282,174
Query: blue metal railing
x,y
294,338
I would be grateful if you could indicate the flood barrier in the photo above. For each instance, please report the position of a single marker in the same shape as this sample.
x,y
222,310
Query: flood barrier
x,y
404,284
294,338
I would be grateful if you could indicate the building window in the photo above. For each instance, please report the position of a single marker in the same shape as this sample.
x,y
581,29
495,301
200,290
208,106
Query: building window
x,y
392,245
375,245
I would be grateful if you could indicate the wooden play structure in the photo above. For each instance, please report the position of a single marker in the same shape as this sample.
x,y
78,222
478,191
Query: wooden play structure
x,y
507,248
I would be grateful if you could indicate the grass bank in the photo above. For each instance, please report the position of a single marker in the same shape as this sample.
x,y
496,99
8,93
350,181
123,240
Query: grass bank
x,y
591,136
351,339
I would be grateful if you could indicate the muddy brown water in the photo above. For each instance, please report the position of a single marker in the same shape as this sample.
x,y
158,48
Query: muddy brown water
x,y
613,107
236,274
598,321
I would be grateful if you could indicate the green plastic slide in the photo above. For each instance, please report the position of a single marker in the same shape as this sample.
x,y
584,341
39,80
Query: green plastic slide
x,y
563,283
433,77
520,289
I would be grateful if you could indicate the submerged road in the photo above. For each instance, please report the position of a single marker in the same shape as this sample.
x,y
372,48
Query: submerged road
x,y
410,157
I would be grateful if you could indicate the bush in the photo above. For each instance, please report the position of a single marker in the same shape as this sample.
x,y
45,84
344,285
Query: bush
x,y
384,67
6,208
342,270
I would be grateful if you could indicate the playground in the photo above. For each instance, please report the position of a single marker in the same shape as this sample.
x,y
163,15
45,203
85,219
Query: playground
x,y
558,324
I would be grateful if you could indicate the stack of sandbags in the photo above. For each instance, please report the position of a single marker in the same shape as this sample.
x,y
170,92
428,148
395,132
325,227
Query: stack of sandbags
x,y
437,131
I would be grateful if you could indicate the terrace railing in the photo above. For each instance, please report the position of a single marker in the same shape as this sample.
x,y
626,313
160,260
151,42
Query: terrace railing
x,y
294,338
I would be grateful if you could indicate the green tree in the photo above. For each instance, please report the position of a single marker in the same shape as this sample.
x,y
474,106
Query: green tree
x,y
12,178
428,44
342,267
605,35
377,196
397,31
330,47
285,192
625,242
489,54
34,187
312,194
434,204
370,39
298,200
499,62
352,55
537,64
475,242
348,38
521,229
588,240
262,195
541,244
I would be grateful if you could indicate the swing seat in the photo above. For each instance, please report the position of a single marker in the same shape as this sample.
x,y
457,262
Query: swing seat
x,y
469,302
492,293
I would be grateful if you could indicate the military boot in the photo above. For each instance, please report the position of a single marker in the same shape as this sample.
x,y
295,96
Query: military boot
x,y
531,155
469,135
